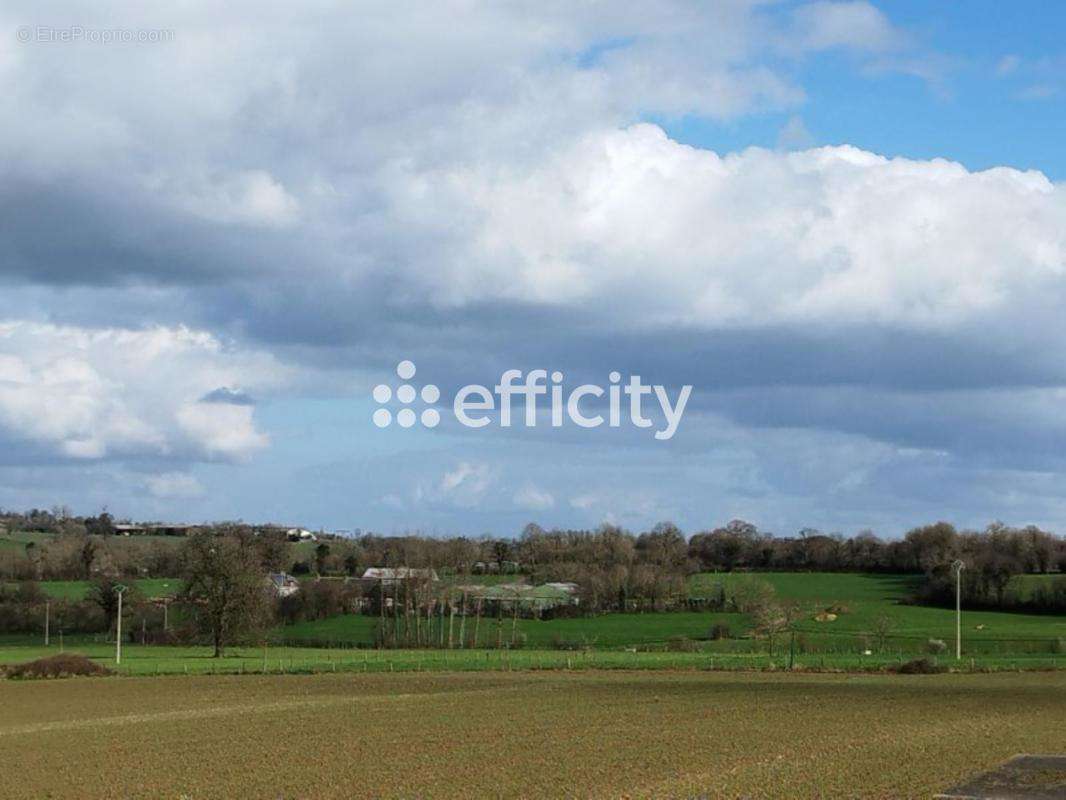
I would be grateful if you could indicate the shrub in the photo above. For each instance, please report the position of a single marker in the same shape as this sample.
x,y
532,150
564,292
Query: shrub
x,y
719,631
936,646
559,643
838,609
64,665
563,611
681,644
920,666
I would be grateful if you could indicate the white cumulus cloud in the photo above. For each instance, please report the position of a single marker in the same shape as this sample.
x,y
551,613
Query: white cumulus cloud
x,y
90,393
635,222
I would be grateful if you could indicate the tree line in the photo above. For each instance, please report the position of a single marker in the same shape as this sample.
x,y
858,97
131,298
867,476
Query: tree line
x,y
223,570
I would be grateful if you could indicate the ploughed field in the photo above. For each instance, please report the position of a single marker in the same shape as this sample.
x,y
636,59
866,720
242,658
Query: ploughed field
x,y
521,734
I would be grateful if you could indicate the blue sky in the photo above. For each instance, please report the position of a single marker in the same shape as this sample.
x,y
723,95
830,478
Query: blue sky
x,y
993,95
842,223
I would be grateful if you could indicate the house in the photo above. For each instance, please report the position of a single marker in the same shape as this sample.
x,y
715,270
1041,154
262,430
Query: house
x,y
388,576
282,584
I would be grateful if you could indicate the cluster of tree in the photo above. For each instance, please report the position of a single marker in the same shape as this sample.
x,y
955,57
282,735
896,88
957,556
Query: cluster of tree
x,y
740,545
225,598
23,610
614,569
991,560
85,557
736,545
57,520
82,555
321,600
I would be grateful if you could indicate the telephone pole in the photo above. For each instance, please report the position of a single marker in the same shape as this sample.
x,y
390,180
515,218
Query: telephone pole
x,y
957,567
119,589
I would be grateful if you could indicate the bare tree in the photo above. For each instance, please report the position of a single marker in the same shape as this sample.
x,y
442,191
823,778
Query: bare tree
x,y
773,618
226,585
883,626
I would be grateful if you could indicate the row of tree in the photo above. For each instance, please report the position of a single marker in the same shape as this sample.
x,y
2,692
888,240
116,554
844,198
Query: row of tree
x,y
736,545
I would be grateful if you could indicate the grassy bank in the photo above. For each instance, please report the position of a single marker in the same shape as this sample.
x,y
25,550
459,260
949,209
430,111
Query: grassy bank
x,y
162,660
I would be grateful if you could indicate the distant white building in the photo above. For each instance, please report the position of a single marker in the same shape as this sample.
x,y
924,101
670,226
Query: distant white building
x,y
391,575
301,535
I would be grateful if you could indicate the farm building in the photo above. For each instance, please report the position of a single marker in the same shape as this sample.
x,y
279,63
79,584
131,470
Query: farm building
x,y
392,575
532,598
283,585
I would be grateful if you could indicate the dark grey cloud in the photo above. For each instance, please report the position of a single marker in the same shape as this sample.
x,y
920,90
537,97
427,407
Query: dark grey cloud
x,y
226,395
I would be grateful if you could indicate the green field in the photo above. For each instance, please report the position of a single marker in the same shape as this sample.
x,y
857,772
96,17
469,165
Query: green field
x,y
16,541
862,598
139,660
865,598
589,734
868,596
78,590
605,631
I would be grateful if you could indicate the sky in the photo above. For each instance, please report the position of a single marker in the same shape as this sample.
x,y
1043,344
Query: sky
x,y
843,224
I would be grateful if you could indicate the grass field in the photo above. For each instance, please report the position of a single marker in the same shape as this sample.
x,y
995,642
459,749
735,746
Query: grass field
x,y
591,735
138,660
606,631
866,597
77,590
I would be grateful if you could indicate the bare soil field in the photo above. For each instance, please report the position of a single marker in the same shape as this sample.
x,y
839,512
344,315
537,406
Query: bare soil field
x,y
521,734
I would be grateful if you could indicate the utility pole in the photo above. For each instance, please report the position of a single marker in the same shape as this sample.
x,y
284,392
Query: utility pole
x,y
119,589
957,567
47,620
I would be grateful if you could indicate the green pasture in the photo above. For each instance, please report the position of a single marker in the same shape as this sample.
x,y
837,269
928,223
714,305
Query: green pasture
x,y
78,590
861,600
866,597
198,660
606,631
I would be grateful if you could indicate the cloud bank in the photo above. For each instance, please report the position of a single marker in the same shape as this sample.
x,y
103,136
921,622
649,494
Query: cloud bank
x,y
281,203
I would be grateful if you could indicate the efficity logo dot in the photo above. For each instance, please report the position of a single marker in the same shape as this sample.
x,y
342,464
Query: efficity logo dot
x,y
406,395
